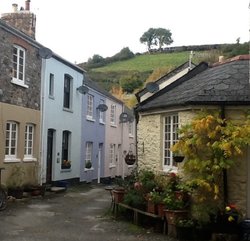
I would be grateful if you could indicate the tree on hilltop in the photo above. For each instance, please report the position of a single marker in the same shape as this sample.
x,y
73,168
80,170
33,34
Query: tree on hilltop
x,y
156,36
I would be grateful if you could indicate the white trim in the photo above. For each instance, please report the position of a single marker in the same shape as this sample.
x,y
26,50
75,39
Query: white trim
x,y
90,118
171,142
18,82
88,169
112,165
29,159
10,159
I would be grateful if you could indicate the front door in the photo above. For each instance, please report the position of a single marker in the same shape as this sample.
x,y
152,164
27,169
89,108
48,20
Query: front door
x,y
49,155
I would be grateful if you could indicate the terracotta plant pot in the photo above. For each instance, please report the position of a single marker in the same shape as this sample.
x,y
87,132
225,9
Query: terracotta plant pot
x,y
173,215
160,209
118,195
151,207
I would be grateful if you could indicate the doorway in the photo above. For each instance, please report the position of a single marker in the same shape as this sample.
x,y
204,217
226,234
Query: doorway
x,y
50,141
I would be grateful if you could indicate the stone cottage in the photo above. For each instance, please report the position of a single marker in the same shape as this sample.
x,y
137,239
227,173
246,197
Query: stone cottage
x,y
20,81
224,86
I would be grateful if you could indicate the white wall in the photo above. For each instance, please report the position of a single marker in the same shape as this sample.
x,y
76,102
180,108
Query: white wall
x,y
56,118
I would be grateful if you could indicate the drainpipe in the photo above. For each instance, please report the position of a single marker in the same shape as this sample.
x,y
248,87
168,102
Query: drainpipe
x,y
224,173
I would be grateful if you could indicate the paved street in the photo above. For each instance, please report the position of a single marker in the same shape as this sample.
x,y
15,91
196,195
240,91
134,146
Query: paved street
x,y
80,213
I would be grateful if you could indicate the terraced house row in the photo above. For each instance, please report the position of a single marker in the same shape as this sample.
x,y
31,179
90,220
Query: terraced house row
x,y
55,123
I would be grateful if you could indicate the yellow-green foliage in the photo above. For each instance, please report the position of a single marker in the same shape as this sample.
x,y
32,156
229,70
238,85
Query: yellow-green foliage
x,y
210,145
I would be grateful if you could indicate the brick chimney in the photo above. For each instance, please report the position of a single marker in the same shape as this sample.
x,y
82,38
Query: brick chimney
x,y
23,20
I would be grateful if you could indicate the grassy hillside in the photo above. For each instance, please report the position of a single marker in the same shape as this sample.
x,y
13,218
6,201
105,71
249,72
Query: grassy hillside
x,y
146,63
142,66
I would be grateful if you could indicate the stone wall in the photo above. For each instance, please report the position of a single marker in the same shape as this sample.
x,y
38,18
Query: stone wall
x,y
149,134
25,21
12,93
150,153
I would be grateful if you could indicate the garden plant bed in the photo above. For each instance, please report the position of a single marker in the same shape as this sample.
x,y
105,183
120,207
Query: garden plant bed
x,y
137,213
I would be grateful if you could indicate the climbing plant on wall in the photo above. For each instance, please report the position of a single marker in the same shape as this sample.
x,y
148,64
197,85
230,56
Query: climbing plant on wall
x,y
210,145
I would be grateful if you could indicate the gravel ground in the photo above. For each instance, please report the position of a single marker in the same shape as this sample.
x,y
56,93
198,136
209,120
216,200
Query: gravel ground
x,y
81,213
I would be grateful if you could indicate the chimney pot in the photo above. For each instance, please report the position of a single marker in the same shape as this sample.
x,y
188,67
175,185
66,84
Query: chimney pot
x,y
27,5
14,7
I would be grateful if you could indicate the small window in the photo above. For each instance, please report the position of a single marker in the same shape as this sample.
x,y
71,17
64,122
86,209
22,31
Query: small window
x,y
90,107
112,154
113,115
130,129
18,68
11,141
170,138
101,113
66,162
88,153
29,141
51,85
67,98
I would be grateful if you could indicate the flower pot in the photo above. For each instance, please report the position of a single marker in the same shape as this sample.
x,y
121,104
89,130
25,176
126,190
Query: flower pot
x,y
151,207
160,209
130,159
15,192
118,195
173,215
185,233
178,159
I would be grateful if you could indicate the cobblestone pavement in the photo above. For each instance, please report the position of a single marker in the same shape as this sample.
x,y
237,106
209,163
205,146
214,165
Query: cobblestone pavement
x,y
80,213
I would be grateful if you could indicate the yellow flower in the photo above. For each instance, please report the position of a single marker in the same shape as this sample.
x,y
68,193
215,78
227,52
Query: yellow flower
x,y
230,218
228,208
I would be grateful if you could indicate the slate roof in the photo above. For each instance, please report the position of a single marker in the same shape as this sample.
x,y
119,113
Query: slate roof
x,y
222,84
92,84
165,77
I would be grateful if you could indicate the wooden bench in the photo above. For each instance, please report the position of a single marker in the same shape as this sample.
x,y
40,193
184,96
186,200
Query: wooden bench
x,y
137,211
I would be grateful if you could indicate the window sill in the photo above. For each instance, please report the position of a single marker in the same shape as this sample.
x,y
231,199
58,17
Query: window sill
x,y
19,82
67,110
11,160
131,136
112,166
29,159
131,166
65,170
113,125
101,122
170,169
88,118
51,97
88,169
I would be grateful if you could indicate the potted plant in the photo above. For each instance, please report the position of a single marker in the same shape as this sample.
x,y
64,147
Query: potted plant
x,y
88,164
15,181
178,158
157,199
66,164
185,229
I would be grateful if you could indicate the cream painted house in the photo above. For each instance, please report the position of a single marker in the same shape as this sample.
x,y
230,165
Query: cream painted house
x,y
223,86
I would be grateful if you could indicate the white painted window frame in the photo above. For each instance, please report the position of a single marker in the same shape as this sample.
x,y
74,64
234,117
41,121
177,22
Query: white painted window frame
x,y
18,67
170,137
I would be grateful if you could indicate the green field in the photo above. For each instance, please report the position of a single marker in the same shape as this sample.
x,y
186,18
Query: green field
x,y
150,62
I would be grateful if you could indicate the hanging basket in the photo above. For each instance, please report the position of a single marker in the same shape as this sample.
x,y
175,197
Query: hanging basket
x,y
178,159
130,159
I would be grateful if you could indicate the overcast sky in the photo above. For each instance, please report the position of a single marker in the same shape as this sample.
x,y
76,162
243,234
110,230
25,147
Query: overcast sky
x,y
78,29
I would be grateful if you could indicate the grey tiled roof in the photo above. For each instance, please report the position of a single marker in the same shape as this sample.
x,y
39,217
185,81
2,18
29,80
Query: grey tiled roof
x,y
226,84
166,77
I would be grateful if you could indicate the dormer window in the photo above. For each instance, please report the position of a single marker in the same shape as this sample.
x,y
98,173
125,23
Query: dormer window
x,y
18,70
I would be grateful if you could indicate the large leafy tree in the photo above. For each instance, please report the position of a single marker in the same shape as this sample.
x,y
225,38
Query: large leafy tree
x,y
158,37
148,38
163,37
